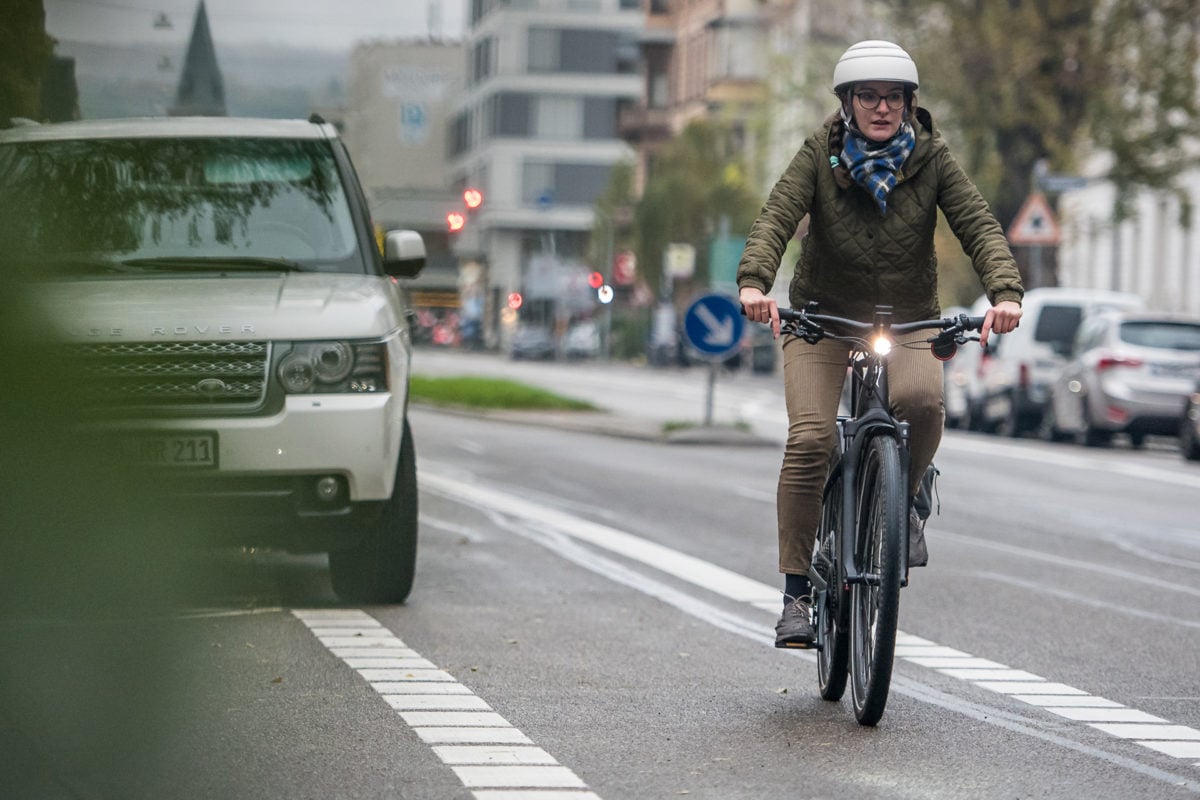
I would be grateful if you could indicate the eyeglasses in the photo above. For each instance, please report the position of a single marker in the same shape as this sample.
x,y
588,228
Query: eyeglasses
x,y
869,101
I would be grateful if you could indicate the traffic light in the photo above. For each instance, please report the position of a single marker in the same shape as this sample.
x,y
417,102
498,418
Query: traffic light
x,y
595,280
515,300
455,221
472,199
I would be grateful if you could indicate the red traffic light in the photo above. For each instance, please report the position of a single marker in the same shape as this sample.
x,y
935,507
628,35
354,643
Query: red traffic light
x,y
455,221
472,198
515,300
595,280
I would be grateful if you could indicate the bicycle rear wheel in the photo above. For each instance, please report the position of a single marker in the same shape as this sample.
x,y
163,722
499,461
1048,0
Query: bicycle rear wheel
x,y
875,602
833,609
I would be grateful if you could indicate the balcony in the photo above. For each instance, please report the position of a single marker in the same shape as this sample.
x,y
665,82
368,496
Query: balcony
x,y
640,124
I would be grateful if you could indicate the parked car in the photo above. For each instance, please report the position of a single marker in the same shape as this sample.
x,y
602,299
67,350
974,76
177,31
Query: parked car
x,y
582,340
1189,427
534,342
235,332
1010,386
1130,373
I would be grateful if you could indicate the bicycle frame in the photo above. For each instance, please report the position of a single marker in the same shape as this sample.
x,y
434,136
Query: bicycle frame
x,y
870,415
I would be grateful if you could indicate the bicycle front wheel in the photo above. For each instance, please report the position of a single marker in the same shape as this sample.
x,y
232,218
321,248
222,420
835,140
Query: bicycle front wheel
x,y
875,602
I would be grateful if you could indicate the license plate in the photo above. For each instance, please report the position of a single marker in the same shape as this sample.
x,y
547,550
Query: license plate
x,y
198,450
1174,370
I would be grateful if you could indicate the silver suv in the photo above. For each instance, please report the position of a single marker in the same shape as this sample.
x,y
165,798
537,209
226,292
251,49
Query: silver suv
x,y
234,324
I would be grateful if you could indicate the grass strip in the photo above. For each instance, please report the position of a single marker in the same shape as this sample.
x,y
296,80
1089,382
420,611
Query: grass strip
x,y
477,392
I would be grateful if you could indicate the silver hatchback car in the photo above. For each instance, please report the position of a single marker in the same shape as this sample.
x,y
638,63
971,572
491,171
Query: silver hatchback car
x,y
1128,373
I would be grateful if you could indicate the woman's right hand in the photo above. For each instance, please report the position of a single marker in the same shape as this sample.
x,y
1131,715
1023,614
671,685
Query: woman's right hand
x,y
759,308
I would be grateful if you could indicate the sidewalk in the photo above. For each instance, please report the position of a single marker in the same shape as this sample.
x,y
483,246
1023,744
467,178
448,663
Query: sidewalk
x,y
604,423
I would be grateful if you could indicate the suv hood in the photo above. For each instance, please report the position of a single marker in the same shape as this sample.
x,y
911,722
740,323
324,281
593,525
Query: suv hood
x,y
205,308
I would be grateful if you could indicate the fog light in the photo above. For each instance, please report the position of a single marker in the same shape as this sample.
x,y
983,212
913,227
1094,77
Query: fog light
x,y
327,488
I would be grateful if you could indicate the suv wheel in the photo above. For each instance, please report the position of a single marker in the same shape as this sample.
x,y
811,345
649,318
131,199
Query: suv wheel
x,y
380,568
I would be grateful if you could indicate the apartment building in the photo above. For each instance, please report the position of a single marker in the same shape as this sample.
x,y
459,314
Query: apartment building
x,y
536,131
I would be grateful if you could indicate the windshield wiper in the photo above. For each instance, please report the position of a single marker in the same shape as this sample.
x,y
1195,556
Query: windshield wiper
x,y
83,265
217,263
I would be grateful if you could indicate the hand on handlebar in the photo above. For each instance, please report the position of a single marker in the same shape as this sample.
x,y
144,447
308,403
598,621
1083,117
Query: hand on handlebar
x,y
1003,317
759,308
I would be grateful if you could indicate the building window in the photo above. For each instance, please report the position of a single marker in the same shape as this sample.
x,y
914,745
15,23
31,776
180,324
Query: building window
x,y
559,117
543,49
482,63
458,135
549,183
578,51
510,114
599,118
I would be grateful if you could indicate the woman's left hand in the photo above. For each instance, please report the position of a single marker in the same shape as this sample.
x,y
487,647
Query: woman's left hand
x,y
1003,317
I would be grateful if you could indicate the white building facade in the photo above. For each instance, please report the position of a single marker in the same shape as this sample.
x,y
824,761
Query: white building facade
x,y
535,130
1155,253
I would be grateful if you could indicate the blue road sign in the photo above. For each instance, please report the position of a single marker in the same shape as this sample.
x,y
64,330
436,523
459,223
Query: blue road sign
x,y
714,325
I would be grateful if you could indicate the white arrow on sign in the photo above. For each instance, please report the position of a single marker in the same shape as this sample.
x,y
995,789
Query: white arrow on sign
x,y
720,331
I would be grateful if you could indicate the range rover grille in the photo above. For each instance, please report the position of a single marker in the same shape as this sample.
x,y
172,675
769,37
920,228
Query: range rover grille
x,y
179,375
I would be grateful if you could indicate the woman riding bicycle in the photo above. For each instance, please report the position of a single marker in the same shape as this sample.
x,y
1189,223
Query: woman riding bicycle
x,y
870,180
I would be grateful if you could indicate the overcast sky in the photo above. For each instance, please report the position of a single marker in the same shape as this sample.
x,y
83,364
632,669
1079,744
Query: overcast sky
x,y
325,24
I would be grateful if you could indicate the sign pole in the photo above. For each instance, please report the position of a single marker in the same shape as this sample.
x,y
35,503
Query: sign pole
x,y
714,325
712,388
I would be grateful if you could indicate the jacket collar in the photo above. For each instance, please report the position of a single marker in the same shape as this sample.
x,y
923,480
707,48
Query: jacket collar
x,y
923,127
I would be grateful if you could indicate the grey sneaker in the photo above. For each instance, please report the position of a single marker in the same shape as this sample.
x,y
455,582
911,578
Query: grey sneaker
x,y
918,553
794,628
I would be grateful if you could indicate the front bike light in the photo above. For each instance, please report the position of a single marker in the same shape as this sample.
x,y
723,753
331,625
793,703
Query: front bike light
x,y
882,345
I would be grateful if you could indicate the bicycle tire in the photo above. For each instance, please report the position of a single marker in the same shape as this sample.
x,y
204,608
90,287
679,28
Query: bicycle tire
x,y
875,606
833,613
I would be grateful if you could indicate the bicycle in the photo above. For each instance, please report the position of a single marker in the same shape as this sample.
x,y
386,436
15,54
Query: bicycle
x,y
857,579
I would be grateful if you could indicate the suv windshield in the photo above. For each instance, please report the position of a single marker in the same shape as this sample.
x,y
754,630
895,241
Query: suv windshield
x,y
178,204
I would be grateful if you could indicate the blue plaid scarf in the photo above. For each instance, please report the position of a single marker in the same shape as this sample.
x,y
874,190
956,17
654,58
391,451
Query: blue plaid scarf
x,y
873,165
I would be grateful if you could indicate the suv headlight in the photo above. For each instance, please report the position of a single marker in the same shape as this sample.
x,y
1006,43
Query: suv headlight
x,y
334,367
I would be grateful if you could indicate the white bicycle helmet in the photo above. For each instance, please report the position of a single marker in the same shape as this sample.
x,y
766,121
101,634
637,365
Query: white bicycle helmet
x,y
874,60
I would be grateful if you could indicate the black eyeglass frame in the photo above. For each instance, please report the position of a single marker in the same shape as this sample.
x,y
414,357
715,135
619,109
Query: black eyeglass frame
x,y
903,94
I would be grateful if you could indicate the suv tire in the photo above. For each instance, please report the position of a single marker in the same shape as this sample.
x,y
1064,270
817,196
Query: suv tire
x,y
380,568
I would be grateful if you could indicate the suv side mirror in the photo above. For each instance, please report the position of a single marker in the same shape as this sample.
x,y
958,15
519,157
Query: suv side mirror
x,y
403,254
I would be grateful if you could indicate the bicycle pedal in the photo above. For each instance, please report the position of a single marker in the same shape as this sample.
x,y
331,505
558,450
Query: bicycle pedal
x,y
797,645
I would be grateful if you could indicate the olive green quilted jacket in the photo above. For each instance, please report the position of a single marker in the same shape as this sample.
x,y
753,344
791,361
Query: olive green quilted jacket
x,y
853,257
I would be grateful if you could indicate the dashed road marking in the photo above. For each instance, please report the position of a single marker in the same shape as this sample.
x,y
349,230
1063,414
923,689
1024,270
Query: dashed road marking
x,y
1154,733
489,756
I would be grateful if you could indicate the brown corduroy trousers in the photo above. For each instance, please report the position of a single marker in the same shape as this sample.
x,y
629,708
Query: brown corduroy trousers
x,y
813,377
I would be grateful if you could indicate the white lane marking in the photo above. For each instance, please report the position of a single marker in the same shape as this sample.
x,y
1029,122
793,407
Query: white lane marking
x,y
481,747
1063,700
1139,731
976,445
734,587
527,777
1107,605
521,794
1104,714
1063,561
689,568
492,754
435,735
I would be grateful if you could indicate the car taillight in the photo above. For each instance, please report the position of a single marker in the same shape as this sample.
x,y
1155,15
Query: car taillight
x,y
1111,362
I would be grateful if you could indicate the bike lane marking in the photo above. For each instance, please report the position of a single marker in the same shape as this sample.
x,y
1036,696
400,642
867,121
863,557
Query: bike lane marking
x,y
1062,700
490,756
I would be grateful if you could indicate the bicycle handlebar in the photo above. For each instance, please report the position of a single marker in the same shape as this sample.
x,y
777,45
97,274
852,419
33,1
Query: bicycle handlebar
x,y
813,322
